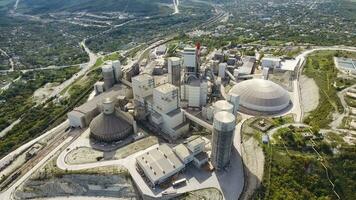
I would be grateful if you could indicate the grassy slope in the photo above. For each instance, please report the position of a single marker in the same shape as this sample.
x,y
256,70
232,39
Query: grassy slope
x,y
320,66
297,174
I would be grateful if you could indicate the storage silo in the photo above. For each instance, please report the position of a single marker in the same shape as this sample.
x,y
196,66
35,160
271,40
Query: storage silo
x,y
222,68
116,65
108,106
234,99
203,93
107,126
108,75
174,71
223,105
222,140
99,87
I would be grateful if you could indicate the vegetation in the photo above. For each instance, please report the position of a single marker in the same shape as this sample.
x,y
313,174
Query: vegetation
x,y
320,66
37,119
17,99
294,171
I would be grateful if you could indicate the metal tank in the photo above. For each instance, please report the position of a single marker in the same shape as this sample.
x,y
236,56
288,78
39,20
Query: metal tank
x,y
174,71
223,134
234,99
223,105
108,75
116,65
108,106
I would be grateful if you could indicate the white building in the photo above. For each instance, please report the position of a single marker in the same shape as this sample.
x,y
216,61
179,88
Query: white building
x,y
271,62
195,93
165,98
190,61
159,164
142,87
184,154
222,68
166,112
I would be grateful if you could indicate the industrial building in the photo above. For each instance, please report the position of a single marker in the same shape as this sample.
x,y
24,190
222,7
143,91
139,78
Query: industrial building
x,y
109,126
247,66
163,162
190,61
166,112
195,92
142,87
159,164
261,95
82,116
271,62
222,141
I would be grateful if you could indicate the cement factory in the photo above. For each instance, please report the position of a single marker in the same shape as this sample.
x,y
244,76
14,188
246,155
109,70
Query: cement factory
x,y
172,96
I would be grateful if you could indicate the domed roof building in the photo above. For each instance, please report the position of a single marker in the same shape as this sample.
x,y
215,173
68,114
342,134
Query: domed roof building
x,y
108,127
261,95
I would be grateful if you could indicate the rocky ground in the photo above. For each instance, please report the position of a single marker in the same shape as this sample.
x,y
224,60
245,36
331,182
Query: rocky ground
x,y
206,194
78,185
310,94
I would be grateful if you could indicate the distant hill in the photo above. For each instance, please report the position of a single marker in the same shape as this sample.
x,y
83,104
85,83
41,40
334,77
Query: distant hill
x,y
50,6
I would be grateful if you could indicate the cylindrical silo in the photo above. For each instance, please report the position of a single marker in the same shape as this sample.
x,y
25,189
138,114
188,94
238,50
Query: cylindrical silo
x,y
108,106
234,99
223,134
116,65
174,70
222,68
223,105
203,93
108,75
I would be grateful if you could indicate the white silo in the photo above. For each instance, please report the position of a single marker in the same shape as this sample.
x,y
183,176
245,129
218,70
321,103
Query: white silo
x,y
203,93
234,99
99,87
108,75
223,105
222,140
108,106
236,73
116,65
222,68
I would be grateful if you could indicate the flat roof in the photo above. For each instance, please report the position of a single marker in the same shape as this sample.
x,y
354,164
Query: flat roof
x,y
165,88
182,151
174,112
158,162
196,141
272,58
202,156
91,105
248,63
290,65
142,77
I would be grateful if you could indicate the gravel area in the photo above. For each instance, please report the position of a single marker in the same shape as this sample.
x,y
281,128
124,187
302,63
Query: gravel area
x,y
135,147
310,94
83,155
206,194
79,185
254,160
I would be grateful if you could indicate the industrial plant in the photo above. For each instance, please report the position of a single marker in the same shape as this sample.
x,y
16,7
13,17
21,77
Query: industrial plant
x,y
172,98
